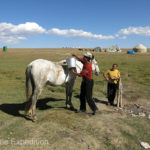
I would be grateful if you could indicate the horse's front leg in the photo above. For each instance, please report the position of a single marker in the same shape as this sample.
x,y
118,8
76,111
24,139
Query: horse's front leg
x,y
69,90
67,95
70,98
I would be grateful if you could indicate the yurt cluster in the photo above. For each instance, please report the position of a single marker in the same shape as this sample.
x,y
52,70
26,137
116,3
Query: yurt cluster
x,y
140,48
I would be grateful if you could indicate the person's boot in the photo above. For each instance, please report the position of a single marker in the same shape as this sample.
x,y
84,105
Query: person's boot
x,y
112,104
108,103
80,111
94,112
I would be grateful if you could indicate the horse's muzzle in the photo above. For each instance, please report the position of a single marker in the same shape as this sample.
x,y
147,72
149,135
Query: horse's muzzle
x,y
97,73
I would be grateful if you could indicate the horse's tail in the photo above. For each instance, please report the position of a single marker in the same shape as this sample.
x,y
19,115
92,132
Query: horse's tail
x,y
29,88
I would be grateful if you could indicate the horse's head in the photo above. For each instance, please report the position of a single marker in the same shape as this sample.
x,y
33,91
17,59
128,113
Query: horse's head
x,y
95,67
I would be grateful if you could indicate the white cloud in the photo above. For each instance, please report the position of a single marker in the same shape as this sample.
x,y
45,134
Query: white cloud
x,y
10,33
116,35
78,33
145,31
11,39
123,37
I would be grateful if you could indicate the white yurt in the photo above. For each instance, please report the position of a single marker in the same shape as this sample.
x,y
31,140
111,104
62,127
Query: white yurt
x,y
113,48
140,48
98,49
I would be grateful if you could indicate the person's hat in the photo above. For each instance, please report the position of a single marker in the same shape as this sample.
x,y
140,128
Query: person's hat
x,y
87,54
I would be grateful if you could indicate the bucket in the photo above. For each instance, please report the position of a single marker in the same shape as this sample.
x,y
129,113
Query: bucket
x,y
71,62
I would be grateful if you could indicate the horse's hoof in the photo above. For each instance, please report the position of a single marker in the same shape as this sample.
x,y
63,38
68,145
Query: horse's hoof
x,y
67,106
34,119
28,115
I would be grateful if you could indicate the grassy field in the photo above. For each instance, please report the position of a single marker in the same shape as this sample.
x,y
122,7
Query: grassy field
x,y
61,129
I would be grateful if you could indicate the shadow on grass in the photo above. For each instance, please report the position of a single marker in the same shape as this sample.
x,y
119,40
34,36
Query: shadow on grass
x,y
13,109
95,99
100,101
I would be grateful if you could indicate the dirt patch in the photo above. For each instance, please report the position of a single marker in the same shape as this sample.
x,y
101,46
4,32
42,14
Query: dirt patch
x,y
131,96
135,107
137,110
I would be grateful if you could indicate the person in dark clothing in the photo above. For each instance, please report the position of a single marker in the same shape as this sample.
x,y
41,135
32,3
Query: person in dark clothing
x,y
112,76
87,84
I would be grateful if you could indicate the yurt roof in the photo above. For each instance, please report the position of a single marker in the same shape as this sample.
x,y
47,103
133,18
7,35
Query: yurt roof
x,y
140,46
98,49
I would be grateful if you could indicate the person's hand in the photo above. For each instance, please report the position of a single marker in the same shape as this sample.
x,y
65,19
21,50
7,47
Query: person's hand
x,y
116,79
73,54
107,79
73,71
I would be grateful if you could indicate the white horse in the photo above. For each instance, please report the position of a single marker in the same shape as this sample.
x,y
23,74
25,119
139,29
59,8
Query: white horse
x,y
42,72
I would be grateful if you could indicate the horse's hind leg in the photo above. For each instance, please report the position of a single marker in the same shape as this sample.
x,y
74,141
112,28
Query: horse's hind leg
x,y
29,92
35,96
28,110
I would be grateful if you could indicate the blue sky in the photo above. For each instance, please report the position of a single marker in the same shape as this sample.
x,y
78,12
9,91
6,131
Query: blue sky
x,y
74,23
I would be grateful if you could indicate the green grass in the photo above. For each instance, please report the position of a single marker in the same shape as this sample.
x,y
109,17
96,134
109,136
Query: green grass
x,y
141,134
64,129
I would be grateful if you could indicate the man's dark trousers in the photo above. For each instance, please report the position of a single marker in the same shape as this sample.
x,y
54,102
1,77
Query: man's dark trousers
x,y
86,94
111,92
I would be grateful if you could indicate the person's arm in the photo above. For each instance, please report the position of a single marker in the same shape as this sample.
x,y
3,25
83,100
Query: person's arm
x,y
78,57
106,75
73,71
